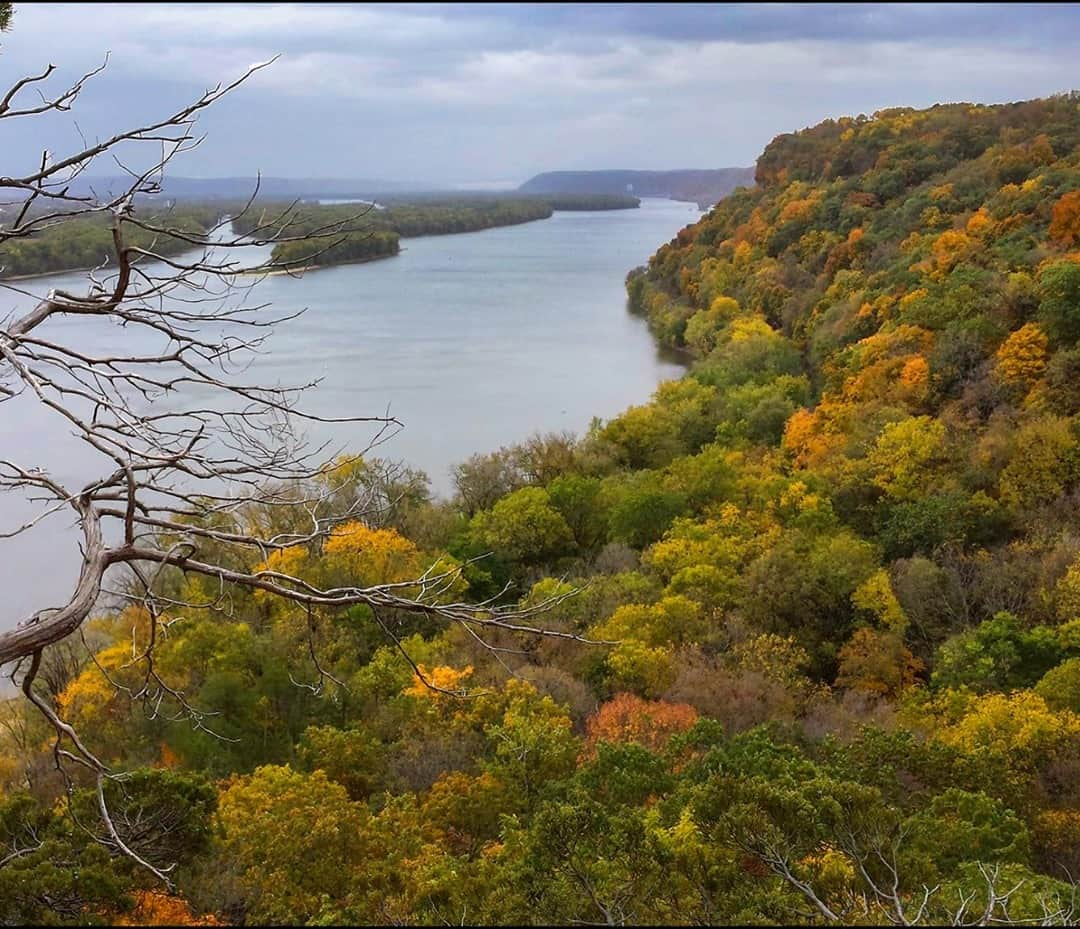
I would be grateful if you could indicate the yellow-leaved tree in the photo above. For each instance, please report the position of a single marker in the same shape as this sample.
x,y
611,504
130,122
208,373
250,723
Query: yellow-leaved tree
x,y
1021,359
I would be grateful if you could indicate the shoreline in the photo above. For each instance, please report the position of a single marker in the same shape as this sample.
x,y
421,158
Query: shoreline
x,y
431,235
440,464
37,274
299,272
316,267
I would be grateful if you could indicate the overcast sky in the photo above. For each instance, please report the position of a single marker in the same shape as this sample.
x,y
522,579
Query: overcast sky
x,y
456,94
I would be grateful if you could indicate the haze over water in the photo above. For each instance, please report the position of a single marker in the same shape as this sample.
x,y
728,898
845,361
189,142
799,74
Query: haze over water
x,y
473,341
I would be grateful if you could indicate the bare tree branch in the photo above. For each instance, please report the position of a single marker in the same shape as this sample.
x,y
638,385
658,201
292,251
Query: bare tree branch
x,y
187,447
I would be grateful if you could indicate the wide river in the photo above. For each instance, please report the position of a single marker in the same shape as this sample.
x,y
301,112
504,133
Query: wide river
x,y
473,341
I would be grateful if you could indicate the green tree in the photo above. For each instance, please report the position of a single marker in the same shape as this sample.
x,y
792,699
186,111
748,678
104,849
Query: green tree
x,y
533,744
350,757
998,654
1060,686
1059,306
288,841
56,872
577,498
524,526
585,862
641,509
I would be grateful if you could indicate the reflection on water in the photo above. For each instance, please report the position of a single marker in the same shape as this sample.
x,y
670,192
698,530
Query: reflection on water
x,y
473,341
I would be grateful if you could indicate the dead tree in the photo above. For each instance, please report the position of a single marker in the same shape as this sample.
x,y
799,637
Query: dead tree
x,y
185,443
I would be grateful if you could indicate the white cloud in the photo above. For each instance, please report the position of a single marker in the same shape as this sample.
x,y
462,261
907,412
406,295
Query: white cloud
x,y
522,88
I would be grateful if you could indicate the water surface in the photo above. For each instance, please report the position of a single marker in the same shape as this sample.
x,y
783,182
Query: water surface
x,y
473,341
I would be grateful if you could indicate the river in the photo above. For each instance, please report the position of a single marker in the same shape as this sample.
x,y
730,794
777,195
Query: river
x,y
473,341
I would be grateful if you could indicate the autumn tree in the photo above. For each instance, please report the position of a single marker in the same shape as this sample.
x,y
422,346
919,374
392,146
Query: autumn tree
x,y
1059,309
627,718
288,842
1022,356
171,495
1065,225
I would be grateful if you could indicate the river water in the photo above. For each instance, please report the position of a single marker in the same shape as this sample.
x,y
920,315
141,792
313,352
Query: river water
x,y
473,341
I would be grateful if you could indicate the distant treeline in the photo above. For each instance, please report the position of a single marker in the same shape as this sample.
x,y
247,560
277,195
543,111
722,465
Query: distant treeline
x,y
353,246
362,232
347,232
572,200
422,214
356,232
591,201
87,241
411,220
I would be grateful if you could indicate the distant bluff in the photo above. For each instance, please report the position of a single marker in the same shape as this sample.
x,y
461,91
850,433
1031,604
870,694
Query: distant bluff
x,y
704,187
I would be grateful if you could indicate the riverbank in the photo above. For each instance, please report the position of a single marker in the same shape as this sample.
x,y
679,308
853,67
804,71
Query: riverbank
x,y
56,273
474,342
300,272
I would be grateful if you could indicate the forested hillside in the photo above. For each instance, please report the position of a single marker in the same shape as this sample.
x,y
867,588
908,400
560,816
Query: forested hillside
x,y
831,579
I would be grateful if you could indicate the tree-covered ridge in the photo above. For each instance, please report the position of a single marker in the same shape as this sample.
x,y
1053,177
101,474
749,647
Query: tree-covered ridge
x,y
419,216
703,187
834,575
85,242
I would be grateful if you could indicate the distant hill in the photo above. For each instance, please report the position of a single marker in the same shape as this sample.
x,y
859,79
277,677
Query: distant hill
x,y
704,187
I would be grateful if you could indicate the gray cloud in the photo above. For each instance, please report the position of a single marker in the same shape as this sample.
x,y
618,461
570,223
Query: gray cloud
x,y
466,93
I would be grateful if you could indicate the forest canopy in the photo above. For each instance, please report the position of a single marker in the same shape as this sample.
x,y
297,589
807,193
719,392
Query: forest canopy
x,y
372,230
832,576
86,242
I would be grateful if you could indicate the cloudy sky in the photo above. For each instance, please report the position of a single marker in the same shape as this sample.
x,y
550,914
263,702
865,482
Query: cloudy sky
x,y
460,94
